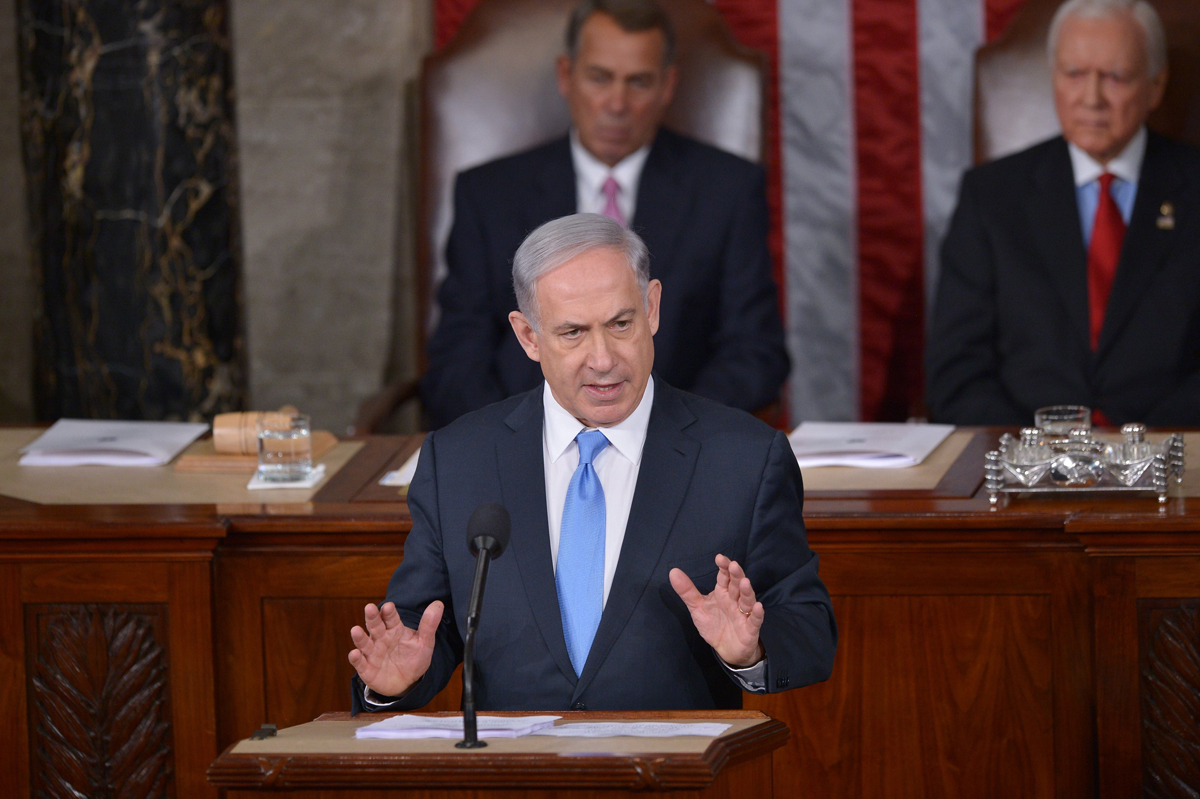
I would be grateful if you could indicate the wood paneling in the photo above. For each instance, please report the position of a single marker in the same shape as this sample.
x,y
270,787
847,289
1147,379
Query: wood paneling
x,y
94,582
1118,721
99,700
824,756
957,697
1170,697
14,729
292,614
983,651
284,619
192,685
1074,684
914,569
1168,577
983,688
305,643
240,687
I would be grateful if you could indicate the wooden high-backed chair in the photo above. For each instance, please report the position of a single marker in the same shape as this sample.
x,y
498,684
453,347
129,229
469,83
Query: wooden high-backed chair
x,y
1014,102
491,92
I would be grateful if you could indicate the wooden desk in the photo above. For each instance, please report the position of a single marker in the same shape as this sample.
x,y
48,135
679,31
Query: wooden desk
x,y
1006,652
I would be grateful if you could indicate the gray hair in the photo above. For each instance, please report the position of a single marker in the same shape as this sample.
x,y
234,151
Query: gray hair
x,y
632,16
561,240
1155,39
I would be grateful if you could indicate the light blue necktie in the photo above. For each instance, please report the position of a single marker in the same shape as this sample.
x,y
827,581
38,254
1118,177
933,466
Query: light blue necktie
x,y
580,573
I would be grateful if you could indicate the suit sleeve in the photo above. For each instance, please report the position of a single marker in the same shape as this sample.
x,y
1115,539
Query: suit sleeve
x,y
749,361
1179,408
462,373
799,633
962,363
420,579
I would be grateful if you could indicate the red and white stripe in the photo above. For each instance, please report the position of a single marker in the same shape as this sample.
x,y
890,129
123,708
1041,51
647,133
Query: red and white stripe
x,y
870,130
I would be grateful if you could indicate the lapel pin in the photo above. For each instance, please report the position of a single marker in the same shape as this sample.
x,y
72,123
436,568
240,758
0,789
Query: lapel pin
x,y
1166,217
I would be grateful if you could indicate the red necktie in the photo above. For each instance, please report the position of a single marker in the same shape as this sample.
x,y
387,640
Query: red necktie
x,y
1104,253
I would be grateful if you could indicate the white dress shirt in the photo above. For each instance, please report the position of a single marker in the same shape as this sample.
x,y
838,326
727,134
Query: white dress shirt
x,y
591,173
616,465
1125,169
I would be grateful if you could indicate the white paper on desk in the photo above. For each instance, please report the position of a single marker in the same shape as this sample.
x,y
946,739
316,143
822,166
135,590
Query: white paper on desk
x,y
637,729
86,442
874,445
409,726
404,475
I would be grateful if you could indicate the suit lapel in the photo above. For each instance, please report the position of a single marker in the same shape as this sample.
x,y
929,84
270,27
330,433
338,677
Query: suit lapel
x,y
1054,218
1146,247
663,201
553,185
523,484
668,459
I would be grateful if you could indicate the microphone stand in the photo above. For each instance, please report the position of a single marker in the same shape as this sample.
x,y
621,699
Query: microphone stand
x,y
470,725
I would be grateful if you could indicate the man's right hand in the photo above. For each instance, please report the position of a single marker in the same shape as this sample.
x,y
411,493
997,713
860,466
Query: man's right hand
x,y
390,657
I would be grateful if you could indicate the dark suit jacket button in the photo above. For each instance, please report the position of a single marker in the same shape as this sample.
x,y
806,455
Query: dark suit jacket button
x,y
579,706
782,682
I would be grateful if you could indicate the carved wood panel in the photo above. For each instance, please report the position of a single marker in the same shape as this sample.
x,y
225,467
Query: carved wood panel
x,y
1170,697
99,701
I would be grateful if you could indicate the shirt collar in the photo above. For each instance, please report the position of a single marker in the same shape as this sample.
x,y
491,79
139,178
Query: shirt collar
x,y
627,436
1126,166
593,172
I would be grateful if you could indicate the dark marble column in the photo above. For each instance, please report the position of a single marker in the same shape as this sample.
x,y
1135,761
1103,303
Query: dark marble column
x,y
128,136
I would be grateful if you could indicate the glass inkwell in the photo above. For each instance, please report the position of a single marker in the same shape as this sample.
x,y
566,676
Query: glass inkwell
x,y
1061,454
1077,464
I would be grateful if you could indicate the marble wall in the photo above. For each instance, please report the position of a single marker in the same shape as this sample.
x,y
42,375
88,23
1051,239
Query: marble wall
x,y
324,151
129,153
16,285
324,147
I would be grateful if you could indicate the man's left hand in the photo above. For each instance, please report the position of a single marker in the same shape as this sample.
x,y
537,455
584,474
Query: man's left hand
x,y
729,618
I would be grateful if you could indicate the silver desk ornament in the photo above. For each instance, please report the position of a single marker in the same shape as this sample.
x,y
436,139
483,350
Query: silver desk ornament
x,y
1042,463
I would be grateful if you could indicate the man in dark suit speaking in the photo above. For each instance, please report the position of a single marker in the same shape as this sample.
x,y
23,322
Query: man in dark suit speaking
x,y
659,558
701,211
1071,272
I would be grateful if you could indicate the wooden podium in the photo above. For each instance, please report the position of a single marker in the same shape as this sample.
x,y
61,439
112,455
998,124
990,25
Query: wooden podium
x,y
324,756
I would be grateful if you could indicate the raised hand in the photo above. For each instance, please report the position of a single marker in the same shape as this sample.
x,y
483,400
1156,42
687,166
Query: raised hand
x,y
390,657
729,618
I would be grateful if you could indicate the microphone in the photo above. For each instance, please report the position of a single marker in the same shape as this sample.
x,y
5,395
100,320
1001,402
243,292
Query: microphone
x,y
487,536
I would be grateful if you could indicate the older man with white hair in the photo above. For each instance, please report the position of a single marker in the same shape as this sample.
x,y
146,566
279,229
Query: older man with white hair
x,y
1071,271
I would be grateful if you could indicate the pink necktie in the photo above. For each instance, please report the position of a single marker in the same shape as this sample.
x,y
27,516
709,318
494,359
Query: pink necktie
x,y
611,209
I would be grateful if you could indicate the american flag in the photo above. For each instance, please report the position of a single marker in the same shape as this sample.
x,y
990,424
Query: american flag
x,y
869,133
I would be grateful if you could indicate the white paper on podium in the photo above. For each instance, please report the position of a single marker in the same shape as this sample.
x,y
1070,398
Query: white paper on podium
x,y
86,442
637,729
870,445
409,726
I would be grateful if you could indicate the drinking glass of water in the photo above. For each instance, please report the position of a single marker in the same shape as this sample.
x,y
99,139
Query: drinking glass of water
x,y
284,447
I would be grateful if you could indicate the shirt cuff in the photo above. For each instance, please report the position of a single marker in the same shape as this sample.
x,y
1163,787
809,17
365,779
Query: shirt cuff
x,y
375,701
751,678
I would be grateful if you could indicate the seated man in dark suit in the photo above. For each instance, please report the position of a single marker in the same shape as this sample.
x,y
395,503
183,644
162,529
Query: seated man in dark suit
x,y
701,211
659,559
1071,271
